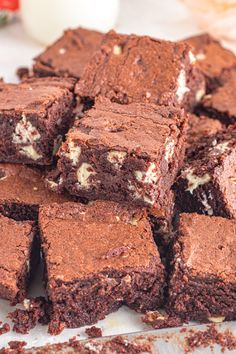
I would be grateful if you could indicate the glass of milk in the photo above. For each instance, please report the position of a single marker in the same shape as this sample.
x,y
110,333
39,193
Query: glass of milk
x,y
45,20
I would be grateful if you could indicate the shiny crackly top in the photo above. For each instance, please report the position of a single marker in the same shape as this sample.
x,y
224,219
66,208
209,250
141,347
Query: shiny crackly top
x,y
69,54
22,184
117,237
34,95
211,57
208,246
138,128
136,69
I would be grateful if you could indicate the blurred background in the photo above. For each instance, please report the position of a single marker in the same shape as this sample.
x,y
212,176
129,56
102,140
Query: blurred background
x,y
26,26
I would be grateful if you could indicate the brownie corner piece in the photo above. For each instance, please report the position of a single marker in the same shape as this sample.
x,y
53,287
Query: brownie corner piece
x,y
68,56
203,279
122,266
124,152
19,255
206,183
34,115
155,71
221,103
212,59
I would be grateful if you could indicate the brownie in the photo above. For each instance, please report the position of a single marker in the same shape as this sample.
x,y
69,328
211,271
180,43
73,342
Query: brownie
x,y
221,104
98,257
130,68
203,279
22,190
207,182
201,126
212,59
18,257
34,116
69,54
124,153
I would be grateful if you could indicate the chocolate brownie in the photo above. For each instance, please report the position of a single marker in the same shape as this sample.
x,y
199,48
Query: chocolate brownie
x,y
130,68
124,153
34,116
18,257
69,54
201,126
221,104
207,182
22,190
211,58
98,257
203,279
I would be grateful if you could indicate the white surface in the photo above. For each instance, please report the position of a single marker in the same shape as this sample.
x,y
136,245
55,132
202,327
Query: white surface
x,y
66,13
165,19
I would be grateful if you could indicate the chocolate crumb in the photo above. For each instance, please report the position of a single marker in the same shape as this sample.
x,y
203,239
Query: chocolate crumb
x,y
93,332
23,73
210,337
158,320
4,328
37,311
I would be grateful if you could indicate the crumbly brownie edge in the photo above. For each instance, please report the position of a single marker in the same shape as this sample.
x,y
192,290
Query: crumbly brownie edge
x,y
19,211
41,151
84,302
200,298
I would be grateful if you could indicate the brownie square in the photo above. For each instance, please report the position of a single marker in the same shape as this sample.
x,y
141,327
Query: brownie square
x,y
124,153
22,190
200,127
221,104
212,59
18,256
130,68
98,257
69,54
207,181
203,279
34,115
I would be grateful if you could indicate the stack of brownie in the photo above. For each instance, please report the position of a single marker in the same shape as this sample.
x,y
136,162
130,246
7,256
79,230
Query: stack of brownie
x,y
110,150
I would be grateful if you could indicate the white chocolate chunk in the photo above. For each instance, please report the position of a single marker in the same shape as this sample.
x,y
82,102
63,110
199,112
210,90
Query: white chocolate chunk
x,y
207,207
182,88
194,181
25,132
169,149
117,50
221,148
26,304
83,174
30,152
149,176
116,157
199,94
138,195
216,319
192,57
200,56
62,51
74,152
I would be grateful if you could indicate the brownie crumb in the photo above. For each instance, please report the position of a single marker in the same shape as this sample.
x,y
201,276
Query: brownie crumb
x,y
93,332
210,337
4,328
36,311
121,345
23,73
158,320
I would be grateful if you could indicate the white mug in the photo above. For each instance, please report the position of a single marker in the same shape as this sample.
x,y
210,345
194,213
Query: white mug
x,y
45,20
